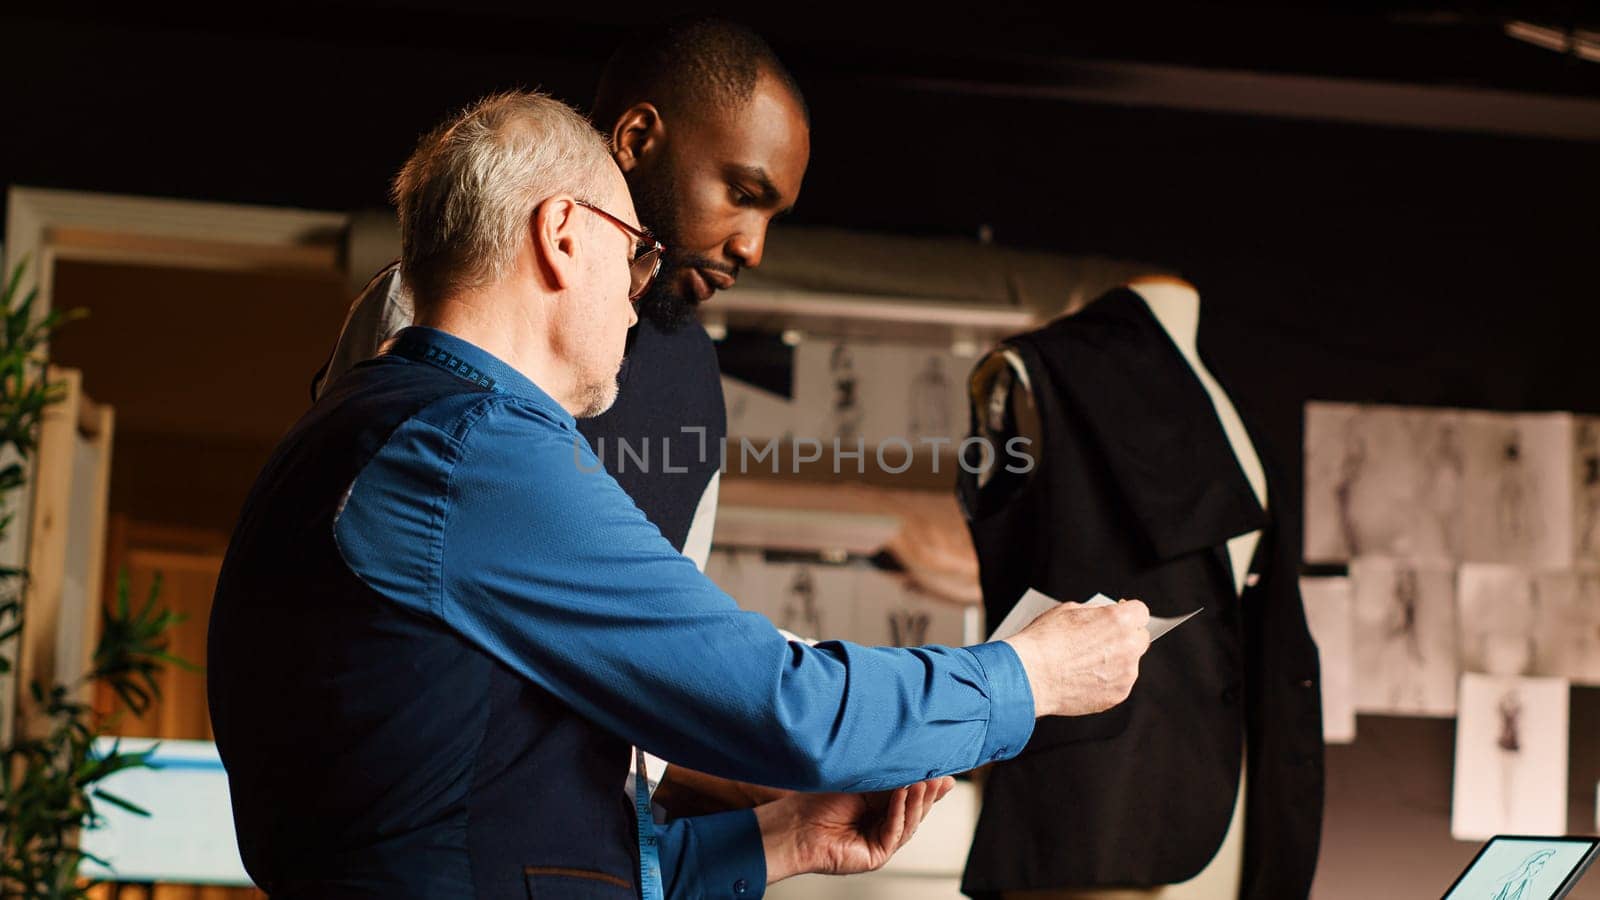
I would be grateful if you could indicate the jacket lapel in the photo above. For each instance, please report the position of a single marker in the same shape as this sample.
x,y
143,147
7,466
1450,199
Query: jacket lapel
x,y
1142,404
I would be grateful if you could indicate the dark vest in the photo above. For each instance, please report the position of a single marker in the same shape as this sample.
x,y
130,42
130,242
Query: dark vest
x,y
1135,494
385,756
669,382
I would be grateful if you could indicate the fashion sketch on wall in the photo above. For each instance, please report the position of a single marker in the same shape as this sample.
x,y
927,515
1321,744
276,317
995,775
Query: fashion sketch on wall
x,y
1329,604
1587,482
1442,484
845,411
1511,757
871,392
930,401
1496,613
1519,499
853,602
754,412
1566,628
1385,481
891,611
1405,637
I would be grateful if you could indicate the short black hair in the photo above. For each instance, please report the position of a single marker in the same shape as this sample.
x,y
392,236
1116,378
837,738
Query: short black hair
x,y
700,63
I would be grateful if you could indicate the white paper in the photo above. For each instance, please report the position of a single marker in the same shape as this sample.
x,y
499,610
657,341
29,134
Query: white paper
x,y
1496,614
1511,757
1034,604
1441,484
1566,632
1407,654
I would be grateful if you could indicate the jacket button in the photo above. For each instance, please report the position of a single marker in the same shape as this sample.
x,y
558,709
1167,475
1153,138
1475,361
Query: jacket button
x,y
1308,683
741,886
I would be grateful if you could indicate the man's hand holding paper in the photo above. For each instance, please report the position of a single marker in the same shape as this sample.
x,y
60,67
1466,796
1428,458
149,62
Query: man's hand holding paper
x,y
1081,658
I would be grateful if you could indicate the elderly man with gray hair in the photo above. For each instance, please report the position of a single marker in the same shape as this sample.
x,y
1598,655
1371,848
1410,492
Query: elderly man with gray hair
x,y
440,624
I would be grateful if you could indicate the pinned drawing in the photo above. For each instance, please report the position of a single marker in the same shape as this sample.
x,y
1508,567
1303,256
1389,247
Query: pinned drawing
x,y
1497,614
1329,605
1405,637
930,401
1432,484
1519,498
1511,757
1587,481
1566,627
1383,481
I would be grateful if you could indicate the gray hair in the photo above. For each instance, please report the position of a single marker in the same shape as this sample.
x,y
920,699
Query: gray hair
x,y
467,194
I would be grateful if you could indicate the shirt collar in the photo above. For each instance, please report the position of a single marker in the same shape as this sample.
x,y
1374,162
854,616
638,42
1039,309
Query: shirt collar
x,y
468,361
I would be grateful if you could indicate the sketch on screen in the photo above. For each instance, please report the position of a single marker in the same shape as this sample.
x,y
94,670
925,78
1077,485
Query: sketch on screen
x,y
1511,757
1514,885
1405,637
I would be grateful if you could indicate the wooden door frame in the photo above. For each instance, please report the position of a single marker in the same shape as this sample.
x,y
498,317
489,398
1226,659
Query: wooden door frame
x,y
47,226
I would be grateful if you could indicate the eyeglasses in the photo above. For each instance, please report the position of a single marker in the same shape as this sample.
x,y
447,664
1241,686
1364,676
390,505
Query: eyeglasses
x,y
646,261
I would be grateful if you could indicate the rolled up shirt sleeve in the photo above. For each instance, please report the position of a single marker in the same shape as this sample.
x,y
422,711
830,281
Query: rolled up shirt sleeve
x,y
499,521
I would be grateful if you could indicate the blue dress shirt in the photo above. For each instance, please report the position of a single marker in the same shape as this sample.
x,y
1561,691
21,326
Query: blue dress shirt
x,y
489,513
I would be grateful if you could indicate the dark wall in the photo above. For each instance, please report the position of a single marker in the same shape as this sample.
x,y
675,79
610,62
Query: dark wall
x,y
1337,261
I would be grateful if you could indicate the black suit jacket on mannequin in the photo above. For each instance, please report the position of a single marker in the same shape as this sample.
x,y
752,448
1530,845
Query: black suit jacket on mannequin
x,y
1135,493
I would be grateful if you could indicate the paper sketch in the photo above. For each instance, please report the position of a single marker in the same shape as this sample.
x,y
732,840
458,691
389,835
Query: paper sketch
x,y
1384,481
1431,484
1566,630
845,411
876,392
1587,481
1405,637
1329,604
892,612
1511,757
1519,497
930,401
732,569
756,413
1495,615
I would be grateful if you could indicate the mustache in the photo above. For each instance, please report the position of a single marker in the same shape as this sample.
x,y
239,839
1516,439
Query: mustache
x,y
693,261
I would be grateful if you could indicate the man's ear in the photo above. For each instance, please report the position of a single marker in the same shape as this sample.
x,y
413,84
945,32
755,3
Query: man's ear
x,y
556,244
637,135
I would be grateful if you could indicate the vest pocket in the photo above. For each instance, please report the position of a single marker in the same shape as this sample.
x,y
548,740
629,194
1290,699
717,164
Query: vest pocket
x,y
560,883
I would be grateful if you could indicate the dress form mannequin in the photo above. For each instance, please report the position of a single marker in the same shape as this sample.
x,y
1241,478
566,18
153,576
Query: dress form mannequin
x,y
1176,305
1002,384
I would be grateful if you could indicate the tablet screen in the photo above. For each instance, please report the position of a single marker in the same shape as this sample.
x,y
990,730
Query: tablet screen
x,y
1523,868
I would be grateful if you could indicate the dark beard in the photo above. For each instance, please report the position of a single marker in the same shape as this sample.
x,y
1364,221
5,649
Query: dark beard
x,y
664,304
